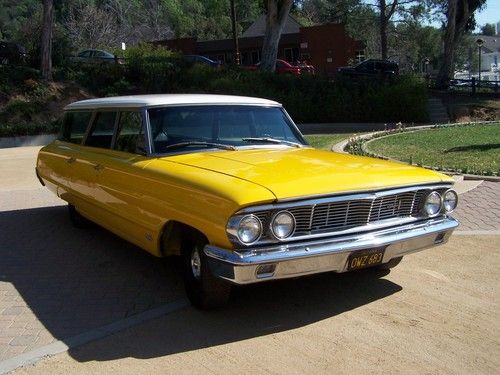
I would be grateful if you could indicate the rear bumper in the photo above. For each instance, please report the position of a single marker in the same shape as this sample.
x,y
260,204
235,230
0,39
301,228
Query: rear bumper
x,y
330,254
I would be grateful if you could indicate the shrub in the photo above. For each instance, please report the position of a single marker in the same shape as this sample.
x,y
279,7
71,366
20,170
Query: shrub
x,y
11,130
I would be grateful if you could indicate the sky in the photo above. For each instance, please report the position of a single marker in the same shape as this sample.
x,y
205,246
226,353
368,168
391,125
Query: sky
x,y
490,14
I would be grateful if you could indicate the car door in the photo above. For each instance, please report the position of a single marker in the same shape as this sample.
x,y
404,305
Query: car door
x,y
88,162
122,189
58,159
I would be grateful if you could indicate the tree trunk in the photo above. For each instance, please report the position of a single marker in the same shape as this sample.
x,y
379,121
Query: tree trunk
x,y
383,30
277,14
455,27
46,41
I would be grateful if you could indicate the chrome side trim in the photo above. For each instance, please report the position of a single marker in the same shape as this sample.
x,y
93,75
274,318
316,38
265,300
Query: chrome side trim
x,y
309,257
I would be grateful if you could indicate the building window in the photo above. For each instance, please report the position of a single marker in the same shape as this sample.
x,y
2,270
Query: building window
x,y
360,55
245,58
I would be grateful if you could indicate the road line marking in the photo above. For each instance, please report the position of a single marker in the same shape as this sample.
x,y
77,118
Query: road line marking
x,y
60,346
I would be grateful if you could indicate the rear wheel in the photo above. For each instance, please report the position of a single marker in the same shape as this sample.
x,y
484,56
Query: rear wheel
x,y
204,290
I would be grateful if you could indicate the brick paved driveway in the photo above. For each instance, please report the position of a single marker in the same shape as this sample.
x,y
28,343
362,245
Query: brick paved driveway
x,y
57,281
479,209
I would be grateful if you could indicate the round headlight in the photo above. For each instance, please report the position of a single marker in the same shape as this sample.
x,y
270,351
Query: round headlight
x,y
432,204
450,200
249,229
283,225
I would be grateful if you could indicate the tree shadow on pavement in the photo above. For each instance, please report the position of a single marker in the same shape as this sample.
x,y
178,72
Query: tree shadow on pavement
x,y
75,280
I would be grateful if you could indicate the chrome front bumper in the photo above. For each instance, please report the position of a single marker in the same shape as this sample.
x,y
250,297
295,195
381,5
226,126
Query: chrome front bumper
x,y
322,255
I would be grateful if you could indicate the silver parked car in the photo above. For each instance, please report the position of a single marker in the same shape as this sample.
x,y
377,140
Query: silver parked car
x,y
92,56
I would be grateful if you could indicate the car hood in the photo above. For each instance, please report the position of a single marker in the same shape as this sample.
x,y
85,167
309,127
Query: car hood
x,y
297,172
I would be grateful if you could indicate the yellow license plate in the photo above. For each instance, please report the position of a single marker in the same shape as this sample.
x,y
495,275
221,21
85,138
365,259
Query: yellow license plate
x,y
365,258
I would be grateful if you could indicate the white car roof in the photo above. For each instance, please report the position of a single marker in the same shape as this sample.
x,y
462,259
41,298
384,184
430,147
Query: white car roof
x,y
141,101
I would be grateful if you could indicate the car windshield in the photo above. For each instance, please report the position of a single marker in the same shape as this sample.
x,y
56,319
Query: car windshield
x,y
211,126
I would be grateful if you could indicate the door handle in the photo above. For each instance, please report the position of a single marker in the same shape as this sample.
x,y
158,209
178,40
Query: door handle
x,y
98,167
70,160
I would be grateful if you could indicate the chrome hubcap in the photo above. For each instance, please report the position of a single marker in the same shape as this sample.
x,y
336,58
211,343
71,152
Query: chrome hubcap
x,y
196,264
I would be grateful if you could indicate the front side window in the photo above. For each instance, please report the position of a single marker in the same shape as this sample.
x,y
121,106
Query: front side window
x,y
230,125
101,134
74,126
130,137
84,54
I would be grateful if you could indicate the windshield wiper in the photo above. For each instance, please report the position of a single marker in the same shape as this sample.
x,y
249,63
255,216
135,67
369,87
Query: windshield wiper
x,y
271,140
199,143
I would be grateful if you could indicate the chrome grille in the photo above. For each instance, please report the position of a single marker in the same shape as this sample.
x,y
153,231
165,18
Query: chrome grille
x,y
343,215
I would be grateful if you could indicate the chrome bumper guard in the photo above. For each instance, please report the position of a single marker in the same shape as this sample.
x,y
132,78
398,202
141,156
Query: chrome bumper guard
x,y
322,255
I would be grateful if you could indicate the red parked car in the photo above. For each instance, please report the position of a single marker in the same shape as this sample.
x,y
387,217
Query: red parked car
x,y
282,67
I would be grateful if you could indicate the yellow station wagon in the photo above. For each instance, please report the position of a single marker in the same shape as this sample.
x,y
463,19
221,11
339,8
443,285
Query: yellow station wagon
x,y
229,184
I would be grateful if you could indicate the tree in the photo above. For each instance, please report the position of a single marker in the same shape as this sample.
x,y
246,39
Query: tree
x,y
488,29
412,9
386,11
324,11
46,41
459,19
277,12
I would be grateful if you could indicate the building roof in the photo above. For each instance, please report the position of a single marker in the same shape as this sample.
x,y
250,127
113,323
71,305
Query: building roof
x,y
141,101
491,43
258,28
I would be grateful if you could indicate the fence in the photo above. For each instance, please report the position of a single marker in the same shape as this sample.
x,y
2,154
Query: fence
x,y
473,85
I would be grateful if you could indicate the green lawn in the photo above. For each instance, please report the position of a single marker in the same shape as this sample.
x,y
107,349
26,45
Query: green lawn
x,y
326,141
472,149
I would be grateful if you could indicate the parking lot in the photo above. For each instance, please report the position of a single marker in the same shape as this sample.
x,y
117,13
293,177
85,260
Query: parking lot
x,y
438,312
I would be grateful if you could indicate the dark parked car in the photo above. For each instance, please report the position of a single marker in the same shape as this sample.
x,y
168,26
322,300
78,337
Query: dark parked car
x,y
12,53
371,68
92,56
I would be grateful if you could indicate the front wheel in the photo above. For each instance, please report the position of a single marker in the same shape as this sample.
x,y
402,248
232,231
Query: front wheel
x,y
204,290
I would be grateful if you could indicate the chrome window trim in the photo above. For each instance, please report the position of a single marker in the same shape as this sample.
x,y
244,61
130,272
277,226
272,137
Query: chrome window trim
x,y
293,127
147,130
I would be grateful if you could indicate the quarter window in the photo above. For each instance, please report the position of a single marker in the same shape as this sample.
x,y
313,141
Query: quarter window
x,y
130,136
74,126
101,134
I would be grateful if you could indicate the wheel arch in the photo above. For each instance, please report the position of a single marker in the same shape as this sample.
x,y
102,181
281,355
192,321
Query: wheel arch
x,y
173,234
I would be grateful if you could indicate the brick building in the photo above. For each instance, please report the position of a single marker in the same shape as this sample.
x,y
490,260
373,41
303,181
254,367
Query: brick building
x,y
325,46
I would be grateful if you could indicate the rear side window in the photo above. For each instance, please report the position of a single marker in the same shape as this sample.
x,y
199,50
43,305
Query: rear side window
x,y
130,136
74,126
101,134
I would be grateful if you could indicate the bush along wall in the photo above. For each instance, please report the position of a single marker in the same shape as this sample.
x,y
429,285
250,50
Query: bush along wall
x,y
149,69
308,98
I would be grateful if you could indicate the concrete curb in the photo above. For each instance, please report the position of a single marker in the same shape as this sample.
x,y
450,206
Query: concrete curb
x,y
32,357
28,140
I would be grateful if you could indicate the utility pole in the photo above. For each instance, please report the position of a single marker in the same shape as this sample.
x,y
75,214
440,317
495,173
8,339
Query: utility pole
x,y
235,36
